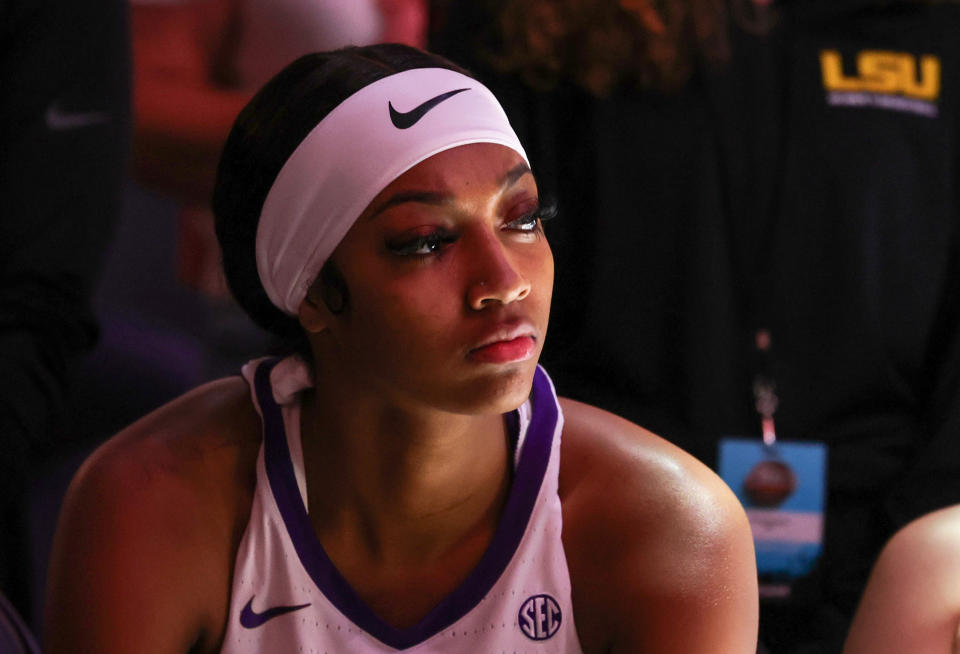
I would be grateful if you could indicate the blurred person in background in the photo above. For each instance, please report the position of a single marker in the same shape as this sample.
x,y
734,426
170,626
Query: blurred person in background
x,y
64,75
198,62
756,196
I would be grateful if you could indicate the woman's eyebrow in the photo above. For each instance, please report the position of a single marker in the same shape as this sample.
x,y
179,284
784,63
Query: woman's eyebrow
x,y
513,175
432,197
423,197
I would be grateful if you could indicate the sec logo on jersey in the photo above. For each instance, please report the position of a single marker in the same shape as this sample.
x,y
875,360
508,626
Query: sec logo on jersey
x,y
539,617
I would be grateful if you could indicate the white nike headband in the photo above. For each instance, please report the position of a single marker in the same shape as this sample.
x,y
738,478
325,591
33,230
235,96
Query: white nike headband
x,y
366,142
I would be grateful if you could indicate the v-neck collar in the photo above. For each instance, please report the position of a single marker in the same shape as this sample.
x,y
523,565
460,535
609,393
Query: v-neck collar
x,y
528,477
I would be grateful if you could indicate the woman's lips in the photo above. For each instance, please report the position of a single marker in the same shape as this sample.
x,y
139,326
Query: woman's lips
x,y
507,351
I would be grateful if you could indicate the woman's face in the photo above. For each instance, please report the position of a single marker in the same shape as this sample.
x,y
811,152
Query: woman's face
x,y
449,279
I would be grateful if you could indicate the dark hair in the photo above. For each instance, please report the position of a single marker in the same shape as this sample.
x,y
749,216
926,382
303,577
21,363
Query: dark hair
x,y
265,134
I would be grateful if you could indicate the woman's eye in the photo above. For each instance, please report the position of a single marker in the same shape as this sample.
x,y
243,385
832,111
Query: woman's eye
x,y
533,220
529,222
421,245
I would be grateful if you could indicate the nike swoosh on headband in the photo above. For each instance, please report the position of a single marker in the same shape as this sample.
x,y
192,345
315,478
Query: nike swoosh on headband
x,y
407,119
250,619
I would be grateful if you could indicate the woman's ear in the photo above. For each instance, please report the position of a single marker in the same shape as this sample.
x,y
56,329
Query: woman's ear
x,y
327,297
313,314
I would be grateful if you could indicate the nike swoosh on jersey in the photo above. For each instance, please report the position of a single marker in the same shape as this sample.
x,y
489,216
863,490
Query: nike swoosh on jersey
x,y
407,119
250,619
58,120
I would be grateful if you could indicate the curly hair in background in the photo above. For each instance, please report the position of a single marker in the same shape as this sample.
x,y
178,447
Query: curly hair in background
x,y
599,44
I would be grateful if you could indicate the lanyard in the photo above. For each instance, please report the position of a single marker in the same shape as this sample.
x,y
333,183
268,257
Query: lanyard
x,y
752,118
764,387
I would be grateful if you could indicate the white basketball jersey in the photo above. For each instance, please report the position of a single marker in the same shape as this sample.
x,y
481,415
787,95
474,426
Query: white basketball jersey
x,y
287,596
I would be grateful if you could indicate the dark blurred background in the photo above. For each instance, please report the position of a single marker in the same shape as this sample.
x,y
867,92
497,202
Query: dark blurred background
x,y
723,168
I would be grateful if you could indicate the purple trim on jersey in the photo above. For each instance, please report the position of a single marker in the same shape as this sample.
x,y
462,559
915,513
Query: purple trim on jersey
x,y
524,490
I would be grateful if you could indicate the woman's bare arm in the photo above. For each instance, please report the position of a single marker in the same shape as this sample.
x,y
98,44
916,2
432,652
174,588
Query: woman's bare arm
x,y
144,548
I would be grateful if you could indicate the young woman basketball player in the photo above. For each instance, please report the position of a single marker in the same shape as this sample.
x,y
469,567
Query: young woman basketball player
x,y
408,480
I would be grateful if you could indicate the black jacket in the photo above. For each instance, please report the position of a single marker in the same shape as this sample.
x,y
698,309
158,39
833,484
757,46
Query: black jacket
x,y
64,123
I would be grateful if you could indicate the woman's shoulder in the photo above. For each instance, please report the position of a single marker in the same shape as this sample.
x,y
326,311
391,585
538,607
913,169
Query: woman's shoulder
x,y
603,452
912,599
197,452
660,551
155,514
925,553
935,534
187,442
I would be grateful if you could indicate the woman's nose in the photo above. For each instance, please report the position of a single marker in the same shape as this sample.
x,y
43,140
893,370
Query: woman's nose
x,y
496,279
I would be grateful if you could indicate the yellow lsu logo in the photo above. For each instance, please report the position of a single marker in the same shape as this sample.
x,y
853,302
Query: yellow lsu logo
x,y
888,73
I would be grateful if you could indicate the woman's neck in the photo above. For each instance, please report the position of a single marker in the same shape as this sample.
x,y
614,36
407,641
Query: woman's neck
x,y
401,486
